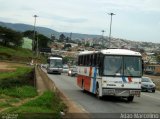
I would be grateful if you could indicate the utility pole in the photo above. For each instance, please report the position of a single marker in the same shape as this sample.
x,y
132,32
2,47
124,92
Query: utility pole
x,y
37,45
110,29
34,37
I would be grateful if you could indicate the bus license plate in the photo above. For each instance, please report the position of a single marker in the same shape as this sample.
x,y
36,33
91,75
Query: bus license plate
x,y
135,92
111,92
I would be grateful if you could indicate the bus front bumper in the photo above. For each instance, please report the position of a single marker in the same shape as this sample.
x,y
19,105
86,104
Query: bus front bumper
x,y
121,92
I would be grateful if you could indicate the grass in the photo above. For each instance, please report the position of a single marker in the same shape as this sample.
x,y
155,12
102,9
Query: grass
x,y
19,72
20,92
22,76
4,104
20,52
13,100
13,95
49,101
48,104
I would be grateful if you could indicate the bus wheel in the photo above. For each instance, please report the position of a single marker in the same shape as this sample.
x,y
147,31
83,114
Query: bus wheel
x,y
130,98
83,89
97,92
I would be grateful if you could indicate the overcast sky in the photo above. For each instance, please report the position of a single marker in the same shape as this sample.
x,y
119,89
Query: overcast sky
x,y
137,20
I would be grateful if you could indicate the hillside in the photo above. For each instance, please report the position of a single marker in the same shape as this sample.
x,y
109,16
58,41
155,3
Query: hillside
x,y
91,39
45,31
18,54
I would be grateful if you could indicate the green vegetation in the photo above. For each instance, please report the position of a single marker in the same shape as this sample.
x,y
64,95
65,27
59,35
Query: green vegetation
x,y
47,105
20,71
22,76
4,104
43,41
13,38
18,96
10,37
20,54
20,92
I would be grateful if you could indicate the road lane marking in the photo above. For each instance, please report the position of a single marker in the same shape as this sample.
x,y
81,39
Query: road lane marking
x,y
151,96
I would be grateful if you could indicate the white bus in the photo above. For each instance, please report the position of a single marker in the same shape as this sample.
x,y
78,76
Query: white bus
x,y
55,64
115,72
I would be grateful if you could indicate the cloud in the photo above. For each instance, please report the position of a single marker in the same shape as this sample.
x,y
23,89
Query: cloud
x,y
85,16
143,5
67,19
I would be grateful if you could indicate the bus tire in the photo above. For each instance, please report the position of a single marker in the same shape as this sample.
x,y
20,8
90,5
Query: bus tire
x,y
83,89
130,98
97,92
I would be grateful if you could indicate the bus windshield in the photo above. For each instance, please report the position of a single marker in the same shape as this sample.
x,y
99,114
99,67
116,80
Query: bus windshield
x,y
56,63
122,66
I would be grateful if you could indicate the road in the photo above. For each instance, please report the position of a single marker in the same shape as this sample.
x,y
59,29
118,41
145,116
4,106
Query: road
x,y
147,103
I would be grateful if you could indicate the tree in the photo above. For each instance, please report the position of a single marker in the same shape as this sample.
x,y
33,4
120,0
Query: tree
x,y
9,37
62,37
29,34
43,41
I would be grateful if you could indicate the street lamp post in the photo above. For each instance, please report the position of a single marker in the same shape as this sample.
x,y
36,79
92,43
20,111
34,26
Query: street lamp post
x,y
34,37
110,29
37,45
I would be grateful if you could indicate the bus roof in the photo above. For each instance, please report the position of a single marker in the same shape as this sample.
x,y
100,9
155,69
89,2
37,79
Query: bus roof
x,y
112,52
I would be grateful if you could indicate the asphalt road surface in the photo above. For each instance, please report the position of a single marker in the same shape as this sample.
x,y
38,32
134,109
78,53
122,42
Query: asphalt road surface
x,y
147,103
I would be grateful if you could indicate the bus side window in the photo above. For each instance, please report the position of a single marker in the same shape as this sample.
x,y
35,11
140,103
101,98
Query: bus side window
x,y
95,59
98,60
82,61
91,59
87,61
101,58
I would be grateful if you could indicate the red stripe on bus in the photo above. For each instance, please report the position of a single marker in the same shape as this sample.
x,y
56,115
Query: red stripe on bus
x,y
129,79
86,82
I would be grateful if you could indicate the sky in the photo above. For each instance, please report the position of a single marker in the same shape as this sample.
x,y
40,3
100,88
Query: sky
x,y
136,20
